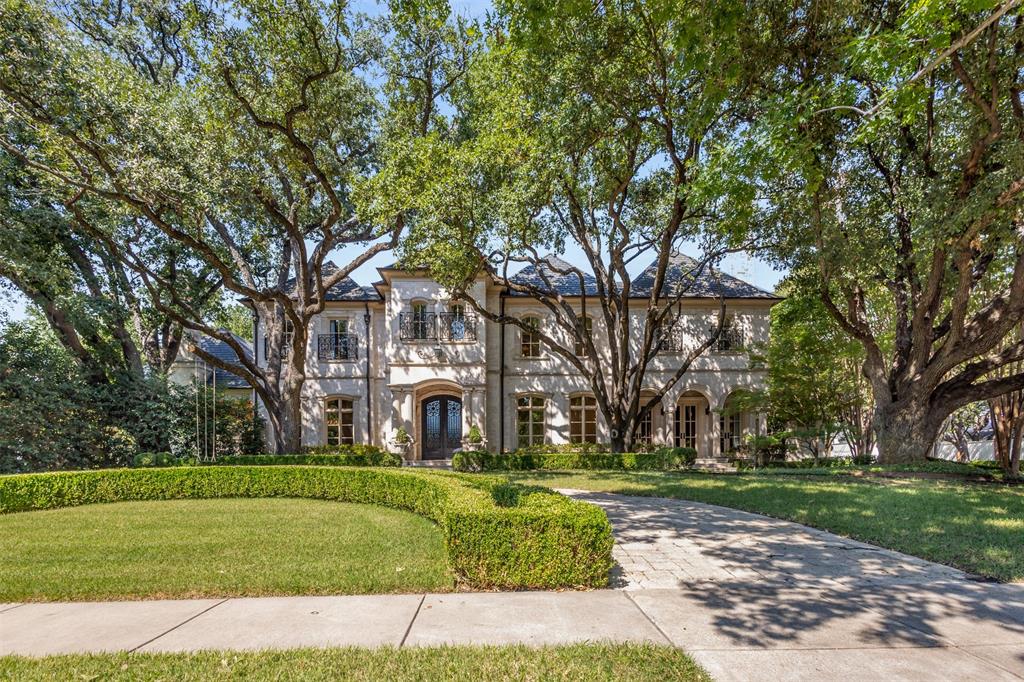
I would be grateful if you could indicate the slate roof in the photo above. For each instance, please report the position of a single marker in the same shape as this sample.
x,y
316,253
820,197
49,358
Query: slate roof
x,y
682,277
565,284
345,290
222,350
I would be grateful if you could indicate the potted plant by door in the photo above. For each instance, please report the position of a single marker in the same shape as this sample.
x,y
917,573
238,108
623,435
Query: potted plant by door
x,y
402,442
474,440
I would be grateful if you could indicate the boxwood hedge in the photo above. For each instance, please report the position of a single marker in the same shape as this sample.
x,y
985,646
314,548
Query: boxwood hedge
x,y
497,534
523,460
380,458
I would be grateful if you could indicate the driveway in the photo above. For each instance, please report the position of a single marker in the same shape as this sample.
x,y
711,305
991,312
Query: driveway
x,y
751,598
756,598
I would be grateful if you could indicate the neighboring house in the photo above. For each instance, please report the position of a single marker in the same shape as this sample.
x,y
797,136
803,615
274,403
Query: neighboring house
x,y
188,368
402,353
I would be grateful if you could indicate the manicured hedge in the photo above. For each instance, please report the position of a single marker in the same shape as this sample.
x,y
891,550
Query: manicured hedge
x,y
375,459
497,534
661,460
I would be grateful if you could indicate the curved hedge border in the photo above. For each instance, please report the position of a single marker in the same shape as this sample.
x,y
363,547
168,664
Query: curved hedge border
x,y
665,459
374,459
497,534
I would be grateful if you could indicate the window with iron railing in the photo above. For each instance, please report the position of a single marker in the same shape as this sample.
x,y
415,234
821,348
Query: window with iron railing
x,y
337,347
450,327
732,338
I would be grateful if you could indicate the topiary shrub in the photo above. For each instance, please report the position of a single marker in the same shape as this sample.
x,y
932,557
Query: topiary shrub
x,y
497,534
525,460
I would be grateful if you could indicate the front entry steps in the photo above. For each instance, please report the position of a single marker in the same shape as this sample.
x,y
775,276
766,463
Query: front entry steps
x,y
430,463
718,465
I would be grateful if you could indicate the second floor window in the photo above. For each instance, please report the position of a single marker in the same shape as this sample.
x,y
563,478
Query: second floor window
x,y
420,321
588,328
286,346
583,419
731,338
529,339
456,322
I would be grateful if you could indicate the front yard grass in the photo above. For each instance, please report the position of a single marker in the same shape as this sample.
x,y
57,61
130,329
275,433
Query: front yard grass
x,y
221,547
978,528
629,662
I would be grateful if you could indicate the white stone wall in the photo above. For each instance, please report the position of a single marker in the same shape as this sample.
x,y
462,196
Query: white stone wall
x,y
403,373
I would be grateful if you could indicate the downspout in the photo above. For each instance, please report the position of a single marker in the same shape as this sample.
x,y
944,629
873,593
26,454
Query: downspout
x,y
501,379
256,359
369,412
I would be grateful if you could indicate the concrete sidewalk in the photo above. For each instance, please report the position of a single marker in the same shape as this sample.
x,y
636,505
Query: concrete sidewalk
x,y
748,632
751,598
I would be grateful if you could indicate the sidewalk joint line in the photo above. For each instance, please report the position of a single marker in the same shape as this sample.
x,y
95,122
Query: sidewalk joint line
x,y
409,628
649,619
11,608
187,620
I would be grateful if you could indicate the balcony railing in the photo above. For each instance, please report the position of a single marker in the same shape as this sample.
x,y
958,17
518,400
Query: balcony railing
x,y
731,341
444,327
670,338
337,347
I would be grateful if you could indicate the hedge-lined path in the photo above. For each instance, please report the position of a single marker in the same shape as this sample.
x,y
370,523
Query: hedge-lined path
x,y
760,600
756,598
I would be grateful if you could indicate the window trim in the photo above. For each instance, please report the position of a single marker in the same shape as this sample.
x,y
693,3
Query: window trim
x,y
536,341
588,324
530,410
588,405
325,404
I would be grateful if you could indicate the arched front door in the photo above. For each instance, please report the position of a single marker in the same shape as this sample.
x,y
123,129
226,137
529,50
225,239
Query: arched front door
x,y
442,426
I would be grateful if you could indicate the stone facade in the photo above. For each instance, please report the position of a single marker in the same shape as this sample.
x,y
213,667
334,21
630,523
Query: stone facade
x,y
399,353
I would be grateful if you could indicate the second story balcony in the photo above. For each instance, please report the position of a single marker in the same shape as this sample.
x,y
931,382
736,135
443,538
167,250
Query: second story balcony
x,y
335,347
443,327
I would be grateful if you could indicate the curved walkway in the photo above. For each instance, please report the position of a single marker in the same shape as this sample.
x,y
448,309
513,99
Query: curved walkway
x,y
757,598
750,597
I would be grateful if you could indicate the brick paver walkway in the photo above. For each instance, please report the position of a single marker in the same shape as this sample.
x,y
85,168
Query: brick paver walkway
x,y
666,543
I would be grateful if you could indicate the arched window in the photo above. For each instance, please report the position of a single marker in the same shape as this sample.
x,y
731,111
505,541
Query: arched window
x,y
530,422
529,341
583,419
338,421
588,329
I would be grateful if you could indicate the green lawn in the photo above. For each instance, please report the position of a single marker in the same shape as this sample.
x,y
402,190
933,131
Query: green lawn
x,y
577,662
224,547
976,527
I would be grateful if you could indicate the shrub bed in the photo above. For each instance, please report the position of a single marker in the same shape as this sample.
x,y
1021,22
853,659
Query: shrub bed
x,y
497,534
664,459
320,455
377,459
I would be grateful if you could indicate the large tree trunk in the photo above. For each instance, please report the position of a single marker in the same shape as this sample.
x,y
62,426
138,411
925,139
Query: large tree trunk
x,y
906,431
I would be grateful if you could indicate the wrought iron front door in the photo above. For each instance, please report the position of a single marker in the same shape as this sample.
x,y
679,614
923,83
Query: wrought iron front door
x,y
442,426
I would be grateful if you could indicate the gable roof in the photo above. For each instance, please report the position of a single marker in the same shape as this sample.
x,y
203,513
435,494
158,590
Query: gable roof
x,y
683,276
567,284
223,351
